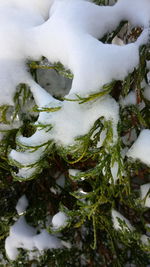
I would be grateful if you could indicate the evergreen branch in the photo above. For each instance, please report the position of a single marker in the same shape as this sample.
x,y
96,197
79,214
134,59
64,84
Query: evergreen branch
x,y
46,109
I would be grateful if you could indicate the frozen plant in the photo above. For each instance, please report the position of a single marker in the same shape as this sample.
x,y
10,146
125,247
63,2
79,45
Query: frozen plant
x,y
79,152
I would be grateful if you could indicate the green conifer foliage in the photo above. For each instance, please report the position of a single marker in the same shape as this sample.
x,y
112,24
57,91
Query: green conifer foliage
x,y
88,196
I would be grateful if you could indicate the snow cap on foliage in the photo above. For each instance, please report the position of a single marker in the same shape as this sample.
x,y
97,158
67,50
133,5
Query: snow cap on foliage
x,y
73,172
129,100
115,216
146,92
114,171
22,204
45,241
144,196
71,121
92,62
145,239
22,235
69,36
59,220
141,148
140,17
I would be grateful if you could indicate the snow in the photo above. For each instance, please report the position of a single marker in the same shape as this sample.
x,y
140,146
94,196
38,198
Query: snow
x,y
129,100
115,216
26,158
141,148
144,190
25,173
146,92
117,41
44,241
24,34
59,220
61,181
101,138
67,31
70,35
145,239
114,172
129,138
73,172
71,121
141,16
40,137
87,58
14,22
39,6
22,204
24,236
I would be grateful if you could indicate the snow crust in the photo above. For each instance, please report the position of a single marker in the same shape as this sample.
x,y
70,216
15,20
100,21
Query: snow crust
x,y
141,148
